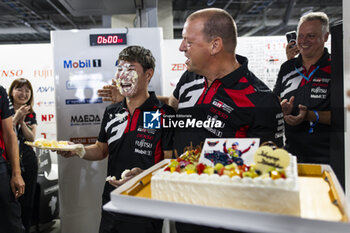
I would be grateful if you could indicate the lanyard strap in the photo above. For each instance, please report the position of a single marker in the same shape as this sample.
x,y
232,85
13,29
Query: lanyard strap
x,y
307,78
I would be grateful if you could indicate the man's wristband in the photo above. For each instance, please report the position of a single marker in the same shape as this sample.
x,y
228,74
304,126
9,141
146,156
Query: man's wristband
x,y
312,124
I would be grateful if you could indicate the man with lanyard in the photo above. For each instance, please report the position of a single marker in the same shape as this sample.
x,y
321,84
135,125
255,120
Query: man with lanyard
x,y
303,86
125,140
11,181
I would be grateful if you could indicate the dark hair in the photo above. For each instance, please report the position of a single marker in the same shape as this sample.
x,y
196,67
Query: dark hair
x,y
18,83
218,23
138,54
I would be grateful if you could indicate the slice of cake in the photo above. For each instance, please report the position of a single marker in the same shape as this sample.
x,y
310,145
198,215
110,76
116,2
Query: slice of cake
x,y
258,187
41,142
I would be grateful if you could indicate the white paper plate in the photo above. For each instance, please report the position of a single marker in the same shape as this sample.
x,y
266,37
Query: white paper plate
x,y
60,148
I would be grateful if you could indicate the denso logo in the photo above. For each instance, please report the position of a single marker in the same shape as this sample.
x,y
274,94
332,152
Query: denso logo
x,y
11,73
88,119
69,64
45,89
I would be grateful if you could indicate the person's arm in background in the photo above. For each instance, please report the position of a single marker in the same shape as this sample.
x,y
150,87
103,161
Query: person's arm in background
x,y
11,146
291,50
169,100
324,117
28,130
110,93
168,154
173,102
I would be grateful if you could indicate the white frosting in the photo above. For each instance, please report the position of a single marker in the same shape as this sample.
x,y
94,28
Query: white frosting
x,y
109,178
263,194
124,174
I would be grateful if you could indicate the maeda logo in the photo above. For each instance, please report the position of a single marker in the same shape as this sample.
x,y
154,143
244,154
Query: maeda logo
x,y
151,120
88,119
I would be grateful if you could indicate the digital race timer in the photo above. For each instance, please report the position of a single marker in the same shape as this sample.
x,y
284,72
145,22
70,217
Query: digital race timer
x,y
107,39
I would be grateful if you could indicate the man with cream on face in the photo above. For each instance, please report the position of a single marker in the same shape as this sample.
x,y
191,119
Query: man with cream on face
x,y
129,146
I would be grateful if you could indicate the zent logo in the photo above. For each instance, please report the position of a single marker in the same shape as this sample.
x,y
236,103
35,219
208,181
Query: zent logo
x,y
178,67
151,120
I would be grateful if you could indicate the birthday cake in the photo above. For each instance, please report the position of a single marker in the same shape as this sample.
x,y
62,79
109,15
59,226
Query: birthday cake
x,y
266,185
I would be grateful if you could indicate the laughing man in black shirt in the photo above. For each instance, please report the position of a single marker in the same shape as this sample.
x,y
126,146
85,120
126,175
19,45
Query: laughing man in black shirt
x,y
304,85
125,140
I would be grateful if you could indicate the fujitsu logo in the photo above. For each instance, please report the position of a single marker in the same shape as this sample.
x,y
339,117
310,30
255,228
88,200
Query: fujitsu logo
x,y
44,73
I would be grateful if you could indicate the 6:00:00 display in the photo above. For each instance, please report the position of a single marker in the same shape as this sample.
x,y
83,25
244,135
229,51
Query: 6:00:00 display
x,y
107,39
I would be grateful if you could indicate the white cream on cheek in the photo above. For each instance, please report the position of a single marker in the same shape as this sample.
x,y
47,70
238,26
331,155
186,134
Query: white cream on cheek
x,y
127,82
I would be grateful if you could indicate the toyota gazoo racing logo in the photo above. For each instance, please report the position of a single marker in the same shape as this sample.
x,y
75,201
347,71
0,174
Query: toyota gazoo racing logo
x,y
219,104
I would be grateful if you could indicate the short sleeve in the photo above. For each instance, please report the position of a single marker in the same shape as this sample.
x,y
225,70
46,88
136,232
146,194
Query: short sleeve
x,y
31,119
6,106
182,80
102,137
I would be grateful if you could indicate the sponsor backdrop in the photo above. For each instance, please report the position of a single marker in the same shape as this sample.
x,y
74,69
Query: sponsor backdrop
x,y
33,62
83,63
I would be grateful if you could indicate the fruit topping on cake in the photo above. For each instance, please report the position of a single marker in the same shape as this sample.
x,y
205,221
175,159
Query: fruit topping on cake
x,y
182,165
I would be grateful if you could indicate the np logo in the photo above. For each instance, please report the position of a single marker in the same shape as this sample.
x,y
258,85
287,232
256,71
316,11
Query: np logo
x,y
151,120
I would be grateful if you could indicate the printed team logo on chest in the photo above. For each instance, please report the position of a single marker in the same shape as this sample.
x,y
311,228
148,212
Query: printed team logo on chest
x,y
143,130
321,82
143,144
119,117
219,104
143,152
319,93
